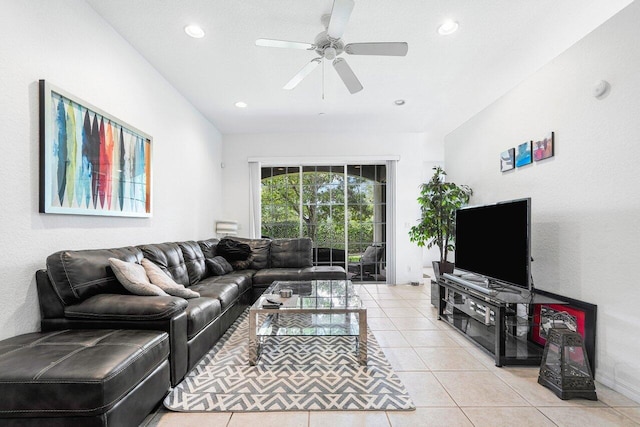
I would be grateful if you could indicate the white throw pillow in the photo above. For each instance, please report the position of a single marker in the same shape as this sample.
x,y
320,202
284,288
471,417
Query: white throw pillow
x,y
162,280
134,279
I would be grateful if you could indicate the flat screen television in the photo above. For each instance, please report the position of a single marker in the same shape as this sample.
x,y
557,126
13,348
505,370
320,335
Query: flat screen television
x,y
495,241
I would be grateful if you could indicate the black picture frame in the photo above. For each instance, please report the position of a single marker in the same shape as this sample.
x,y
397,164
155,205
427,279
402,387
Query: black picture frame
x,y
576,307
91,163
507,160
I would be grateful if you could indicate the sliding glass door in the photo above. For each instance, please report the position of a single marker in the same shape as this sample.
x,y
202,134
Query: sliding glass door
x,y
342,208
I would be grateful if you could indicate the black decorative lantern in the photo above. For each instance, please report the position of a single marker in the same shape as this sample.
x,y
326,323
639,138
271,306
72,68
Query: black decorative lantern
x,y
565,367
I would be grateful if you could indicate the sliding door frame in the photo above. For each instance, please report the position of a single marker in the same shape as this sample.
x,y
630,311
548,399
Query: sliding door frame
x,y
257,163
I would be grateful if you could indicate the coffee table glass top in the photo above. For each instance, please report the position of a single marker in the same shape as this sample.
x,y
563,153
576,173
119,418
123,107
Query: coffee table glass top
x,y
313,295
324,307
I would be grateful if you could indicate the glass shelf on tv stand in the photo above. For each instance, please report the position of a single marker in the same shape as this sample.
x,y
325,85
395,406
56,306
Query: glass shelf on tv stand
x,y
498,322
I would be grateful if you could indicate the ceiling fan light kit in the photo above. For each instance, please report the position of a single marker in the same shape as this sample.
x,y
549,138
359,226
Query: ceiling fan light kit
x,y
329,45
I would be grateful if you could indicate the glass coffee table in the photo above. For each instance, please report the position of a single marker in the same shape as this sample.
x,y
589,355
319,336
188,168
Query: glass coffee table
x,y
315,308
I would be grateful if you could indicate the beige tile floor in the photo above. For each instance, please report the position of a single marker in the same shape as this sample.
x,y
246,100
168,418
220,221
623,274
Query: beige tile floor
x,y
451,382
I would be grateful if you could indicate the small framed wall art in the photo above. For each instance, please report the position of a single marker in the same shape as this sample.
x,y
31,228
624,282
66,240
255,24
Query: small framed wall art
x,y
507,160
523,154
543,149
91,163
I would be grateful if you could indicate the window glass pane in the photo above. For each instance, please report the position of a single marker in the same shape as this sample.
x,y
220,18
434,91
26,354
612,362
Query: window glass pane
x,y
320,211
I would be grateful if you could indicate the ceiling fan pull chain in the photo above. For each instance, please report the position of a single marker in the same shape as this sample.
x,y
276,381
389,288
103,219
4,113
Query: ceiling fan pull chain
x,y
323,80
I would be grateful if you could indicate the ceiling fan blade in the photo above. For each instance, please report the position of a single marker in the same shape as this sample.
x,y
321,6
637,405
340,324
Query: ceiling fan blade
x,y
339,17
285,44
304,72
385,48
346,74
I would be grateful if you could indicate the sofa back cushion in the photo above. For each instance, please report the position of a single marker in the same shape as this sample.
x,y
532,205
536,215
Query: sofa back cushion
x,y
260,249
291,253
372,254
233,250
168,256
209,247
78,275
194,259
219,266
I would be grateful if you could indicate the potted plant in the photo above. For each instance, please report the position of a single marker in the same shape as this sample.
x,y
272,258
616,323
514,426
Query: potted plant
x,y
438,203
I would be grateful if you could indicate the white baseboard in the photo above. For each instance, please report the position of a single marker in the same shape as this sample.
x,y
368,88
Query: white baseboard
x,y
620,385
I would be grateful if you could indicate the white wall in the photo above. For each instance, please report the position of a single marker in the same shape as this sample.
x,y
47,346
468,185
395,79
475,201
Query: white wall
x,y
414,150
585,203
68,44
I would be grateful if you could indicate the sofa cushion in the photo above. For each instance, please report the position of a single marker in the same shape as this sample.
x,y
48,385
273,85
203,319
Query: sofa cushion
x,y
291,253
242,278
323,272
219,266
77,275
372,254
194,259
134,278
163,281
260,249
269,275
233,250
126,307
201,312
78,373
168,256
208,247
227,293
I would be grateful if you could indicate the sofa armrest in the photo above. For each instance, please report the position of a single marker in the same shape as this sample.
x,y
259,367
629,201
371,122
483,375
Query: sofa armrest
x,y
126,307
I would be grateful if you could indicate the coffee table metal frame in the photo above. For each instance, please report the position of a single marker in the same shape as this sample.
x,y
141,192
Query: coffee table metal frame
x,y
352,305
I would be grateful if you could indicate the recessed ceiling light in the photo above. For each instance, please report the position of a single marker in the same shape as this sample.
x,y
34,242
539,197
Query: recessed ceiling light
x,y
399,102
448,27
241,104
194,31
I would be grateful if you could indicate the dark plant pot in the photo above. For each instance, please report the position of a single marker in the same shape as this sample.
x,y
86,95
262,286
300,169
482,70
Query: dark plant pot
x,y
439,268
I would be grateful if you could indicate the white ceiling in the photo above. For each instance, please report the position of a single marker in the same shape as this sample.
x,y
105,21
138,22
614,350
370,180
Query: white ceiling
x,y
444,80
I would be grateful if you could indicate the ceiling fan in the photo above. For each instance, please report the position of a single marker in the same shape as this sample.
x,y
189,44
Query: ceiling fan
x,y
329,45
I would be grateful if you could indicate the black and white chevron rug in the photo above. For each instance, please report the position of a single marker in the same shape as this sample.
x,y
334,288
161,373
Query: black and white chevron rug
x,y
292,374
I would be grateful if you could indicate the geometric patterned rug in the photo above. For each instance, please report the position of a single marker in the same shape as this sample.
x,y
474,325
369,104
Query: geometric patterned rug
x,y
310,373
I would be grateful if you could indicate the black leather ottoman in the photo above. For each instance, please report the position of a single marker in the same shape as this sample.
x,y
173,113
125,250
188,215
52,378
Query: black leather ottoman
x,y
82,377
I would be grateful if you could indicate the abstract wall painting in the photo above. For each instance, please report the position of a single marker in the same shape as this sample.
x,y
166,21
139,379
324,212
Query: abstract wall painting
x,y
507,160
90,162
523,155
543,149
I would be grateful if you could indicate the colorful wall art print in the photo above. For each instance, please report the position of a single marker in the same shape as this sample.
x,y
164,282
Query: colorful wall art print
x,y
523,155
90,162
543,149
507,160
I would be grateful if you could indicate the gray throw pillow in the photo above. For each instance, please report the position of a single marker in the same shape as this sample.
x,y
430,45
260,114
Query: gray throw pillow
x,y
164,282
219,266
134,279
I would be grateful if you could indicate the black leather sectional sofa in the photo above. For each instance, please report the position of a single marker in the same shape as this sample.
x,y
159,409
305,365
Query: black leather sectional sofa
x,y
106,357
78,290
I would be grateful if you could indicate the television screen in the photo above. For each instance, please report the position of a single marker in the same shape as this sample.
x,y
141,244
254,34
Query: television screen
x,y
494,241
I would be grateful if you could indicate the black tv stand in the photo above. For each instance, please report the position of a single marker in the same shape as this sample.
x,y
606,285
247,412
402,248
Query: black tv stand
x,y
498,320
